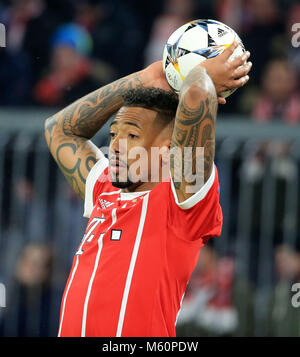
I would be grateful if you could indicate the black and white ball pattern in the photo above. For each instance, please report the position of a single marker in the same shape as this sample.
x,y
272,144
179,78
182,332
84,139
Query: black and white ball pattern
x,y
193,43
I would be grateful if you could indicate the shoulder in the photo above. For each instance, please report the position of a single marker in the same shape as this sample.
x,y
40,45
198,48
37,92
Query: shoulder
x,y
166,190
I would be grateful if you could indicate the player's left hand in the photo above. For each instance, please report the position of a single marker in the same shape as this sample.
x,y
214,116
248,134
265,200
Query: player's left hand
x,y
226,73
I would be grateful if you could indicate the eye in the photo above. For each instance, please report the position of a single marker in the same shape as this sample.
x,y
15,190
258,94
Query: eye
x,y
133,136
112,135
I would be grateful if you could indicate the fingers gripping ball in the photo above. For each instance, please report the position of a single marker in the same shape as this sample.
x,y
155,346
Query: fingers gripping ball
x,y
192,44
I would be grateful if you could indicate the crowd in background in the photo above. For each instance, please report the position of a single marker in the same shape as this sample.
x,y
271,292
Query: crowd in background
x,y
57,51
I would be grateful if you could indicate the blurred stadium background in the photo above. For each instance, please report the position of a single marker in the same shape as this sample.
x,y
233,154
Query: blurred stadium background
x,y
57,51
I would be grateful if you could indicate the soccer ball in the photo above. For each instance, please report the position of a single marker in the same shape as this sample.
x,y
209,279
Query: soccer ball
x,y
193,43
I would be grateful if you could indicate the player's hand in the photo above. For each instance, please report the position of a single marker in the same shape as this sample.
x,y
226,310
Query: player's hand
x,y
153,76
226,73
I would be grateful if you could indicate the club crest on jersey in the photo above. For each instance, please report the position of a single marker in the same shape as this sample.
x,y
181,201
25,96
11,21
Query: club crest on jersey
x,y
104,203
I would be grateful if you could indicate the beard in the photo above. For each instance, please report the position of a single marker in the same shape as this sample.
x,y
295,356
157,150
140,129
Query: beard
x,y
125,179
122,184
119,182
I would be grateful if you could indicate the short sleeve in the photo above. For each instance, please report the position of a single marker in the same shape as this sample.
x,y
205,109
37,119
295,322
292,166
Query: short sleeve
x,y
199,217
91,181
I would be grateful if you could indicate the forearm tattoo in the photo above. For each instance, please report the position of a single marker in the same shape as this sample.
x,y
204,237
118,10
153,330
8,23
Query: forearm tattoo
x,y
194,127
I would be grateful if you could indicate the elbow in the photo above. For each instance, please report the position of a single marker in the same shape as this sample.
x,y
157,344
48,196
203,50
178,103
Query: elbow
x,y
193,93
49,126
197,85
46,124
46,131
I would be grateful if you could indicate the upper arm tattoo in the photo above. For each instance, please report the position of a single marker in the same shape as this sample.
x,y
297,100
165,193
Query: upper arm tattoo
x,y
68,133
194,128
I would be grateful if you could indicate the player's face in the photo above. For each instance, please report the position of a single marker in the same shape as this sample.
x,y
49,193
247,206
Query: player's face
x,y
134,133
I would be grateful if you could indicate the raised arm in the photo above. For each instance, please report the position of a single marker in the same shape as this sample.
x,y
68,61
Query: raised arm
x,y
68,132
194,128
195,120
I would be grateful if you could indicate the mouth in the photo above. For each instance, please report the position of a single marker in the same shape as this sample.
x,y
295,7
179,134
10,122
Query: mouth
x,y
116,165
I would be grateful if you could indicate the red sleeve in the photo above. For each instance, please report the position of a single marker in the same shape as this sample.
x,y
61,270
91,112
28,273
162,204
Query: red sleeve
x,y
199,217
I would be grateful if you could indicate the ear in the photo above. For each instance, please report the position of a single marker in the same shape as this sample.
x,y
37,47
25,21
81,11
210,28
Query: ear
x,y
169,144
165,152
166,143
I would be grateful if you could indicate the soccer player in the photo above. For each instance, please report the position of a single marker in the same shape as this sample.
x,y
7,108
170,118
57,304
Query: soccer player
x,y
144,235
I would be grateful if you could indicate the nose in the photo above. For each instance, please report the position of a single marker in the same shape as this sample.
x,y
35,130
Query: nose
x,y
119,145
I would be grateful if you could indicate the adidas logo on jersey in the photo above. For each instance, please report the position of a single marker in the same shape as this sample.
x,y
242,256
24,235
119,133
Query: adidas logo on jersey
x,y
221,32
104,204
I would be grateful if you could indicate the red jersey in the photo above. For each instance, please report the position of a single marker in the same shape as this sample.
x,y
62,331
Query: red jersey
x,y
139,250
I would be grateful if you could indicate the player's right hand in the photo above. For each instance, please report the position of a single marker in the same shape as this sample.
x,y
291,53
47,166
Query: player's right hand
x,y
153,76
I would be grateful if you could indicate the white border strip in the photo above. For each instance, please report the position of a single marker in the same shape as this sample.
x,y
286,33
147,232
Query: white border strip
x,y
91,180
66,294
196,197
88,293
86,302
126,196
131,266
109,193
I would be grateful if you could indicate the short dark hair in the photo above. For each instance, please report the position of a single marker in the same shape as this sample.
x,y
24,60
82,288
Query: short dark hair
x,y
152,98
